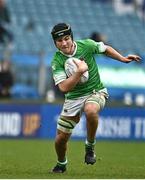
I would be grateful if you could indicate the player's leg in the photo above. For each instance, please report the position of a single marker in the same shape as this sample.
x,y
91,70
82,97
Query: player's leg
x,y
61,148
92,107
64,131
91,110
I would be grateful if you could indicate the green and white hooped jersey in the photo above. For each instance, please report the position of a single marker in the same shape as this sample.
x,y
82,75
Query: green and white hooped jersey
x,y
85,49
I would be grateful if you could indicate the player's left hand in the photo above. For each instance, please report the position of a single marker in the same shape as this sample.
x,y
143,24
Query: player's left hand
x,y
131,57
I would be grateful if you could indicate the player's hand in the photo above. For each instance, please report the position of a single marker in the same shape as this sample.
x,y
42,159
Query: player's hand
x,y
81,66
131,58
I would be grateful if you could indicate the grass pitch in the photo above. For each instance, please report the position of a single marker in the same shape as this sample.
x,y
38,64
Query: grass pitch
x,y
33,159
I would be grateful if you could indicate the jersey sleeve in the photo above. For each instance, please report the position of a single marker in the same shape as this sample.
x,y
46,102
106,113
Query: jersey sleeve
x,y
97,47
58,72
101,47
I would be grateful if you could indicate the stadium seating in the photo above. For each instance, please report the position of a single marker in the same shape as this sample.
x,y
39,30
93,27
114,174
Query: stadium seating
x,y
85,16
124,32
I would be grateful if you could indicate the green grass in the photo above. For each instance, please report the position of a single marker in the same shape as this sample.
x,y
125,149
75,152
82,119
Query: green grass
x,y
33,159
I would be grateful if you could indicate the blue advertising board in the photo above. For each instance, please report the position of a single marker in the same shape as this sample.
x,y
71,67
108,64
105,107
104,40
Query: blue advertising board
x,y
39,121
20,120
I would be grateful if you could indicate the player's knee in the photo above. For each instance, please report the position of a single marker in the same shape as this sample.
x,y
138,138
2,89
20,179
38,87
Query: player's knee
x,y
91,109
65,125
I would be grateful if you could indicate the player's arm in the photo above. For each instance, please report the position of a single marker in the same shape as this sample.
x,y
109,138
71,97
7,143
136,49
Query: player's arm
x,y
69,83
111,52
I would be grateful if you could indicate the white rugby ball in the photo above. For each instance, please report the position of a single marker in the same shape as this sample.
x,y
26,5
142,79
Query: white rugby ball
x,y
70,68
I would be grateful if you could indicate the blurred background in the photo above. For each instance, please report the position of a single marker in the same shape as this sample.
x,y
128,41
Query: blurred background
x,y
27,90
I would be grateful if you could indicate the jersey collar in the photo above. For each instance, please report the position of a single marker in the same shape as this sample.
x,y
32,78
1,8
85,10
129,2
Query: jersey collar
x,y
73,52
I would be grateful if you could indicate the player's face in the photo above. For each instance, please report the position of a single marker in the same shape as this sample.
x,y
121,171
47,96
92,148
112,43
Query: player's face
x,y
65,44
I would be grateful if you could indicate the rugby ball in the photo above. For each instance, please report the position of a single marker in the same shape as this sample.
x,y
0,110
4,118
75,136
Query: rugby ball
x,y
70,68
